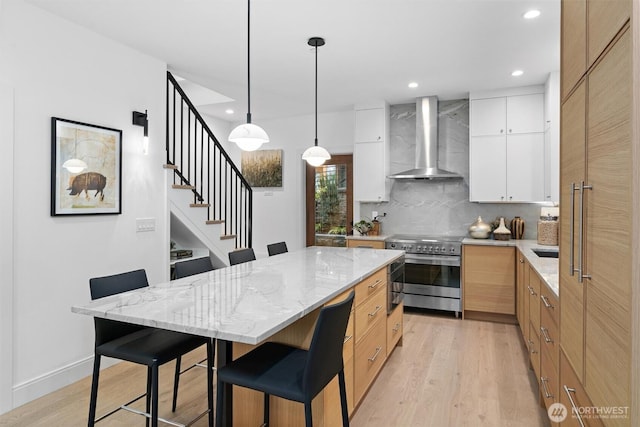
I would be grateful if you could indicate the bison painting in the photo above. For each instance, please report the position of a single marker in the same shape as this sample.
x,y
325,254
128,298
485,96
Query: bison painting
x,y
88,181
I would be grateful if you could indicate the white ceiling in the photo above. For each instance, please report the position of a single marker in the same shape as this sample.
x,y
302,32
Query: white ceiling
x,y
374,48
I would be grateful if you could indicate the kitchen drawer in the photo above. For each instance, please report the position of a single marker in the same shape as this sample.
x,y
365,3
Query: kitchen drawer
x,y
572,395
548,379
373,310
370,286
534,300
549,304
349,338
534,349
549,336
394,327
365,243
371,353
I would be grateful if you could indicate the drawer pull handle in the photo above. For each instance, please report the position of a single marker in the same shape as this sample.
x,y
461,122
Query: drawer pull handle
x,y
347,338
531,291
574,408
376,283
532,349
546,302
396,328
375,311
375,356
545,333
544,382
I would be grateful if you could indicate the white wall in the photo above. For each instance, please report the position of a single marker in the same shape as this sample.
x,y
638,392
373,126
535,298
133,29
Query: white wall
x,y
279,214
60,69
56,68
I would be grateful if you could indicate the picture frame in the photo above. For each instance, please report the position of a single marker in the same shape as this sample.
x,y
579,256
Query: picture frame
x,y
86,169
262,168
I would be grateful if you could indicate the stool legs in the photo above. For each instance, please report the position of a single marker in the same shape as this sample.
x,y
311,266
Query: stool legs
x,y
265,418
94,391
343,399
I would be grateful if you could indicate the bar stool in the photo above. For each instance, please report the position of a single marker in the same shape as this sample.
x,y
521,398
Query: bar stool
x,y
142,345
292,373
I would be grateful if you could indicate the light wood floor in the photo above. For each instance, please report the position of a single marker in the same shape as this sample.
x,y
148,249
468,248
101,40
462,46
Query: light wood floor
x,y
448,372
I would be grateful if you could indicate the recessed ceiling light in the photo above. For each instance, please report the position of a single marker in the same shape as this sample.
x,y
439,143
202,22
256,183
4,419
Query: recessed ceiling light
x,y
531,14
229,111
413,85
517,73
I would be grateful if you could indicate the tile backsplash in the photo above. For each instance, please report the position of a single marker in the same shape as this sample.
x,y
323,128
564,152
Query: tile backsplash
x,y
439,207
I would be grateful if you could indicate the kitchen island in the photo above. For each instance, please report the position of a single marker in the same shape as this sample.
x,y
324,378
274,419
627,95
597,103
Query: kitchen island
x,y
274,298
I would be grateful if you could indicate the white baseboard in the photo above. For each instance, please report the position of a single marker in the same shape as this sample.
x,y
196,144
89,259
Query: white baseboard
x,y
51,381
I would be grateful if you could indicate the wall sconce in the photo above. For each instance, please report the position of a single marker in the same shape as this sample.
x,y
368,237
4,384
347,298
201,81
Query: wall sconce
x,y
142,119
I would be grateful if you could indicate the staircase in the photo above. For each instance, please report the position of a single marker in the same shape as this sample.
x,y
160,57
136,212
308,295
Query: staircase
x,y
207,192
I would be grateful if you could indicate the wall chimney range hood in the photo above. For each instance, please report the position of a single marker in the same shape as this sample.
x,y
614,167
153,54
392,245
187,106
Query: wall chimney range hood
x,y
426,144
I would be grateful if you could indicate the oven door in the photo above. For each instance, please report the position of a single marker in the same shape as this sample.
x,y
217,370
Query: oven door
x,y
432,281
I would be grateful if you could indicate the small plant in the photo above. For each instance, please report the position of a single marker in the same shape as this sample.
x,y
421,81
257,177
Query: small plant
x,y
363,227
338,230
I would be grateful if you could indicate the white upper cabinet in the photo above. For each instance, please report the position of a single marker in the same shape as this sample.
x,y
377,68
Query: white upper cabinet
x,y
507,146
371,154
552,138
525,113
370,125
488,116
507,115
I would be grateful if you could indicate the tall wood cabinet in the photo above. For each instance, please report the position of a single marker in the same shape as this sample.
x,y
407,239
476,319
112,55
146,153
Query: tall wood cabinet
x,y
596,209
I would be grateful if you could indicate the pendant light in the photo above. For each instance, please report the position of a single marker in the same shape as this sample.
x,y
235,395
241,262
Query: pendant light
x,y
75,165
316,155
247,136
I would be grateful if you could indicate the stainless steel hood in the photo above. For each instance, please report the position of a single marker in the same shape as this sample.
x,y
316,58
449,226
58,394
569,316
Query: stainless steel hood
x,y
426,144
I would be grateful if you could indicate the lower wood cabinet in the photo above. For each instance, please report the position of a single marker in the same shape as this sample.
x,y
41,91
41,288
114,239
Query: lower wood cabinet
x,y
489,279
394,327
371,353
573,396
366,345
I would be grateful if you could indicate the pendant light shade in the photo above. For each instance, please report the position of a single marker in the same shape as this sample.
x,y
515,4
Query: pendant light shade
x,y
74,165
247,136
316,155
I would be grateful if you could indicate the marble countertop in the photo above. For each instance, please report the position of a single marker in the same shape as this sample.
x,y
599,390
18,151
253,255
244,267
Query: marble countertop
x,y
547,268
247,302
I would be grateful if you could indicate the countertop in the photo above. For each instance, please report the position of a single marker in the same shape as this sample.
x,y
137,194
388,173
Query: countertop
x,y
547,268
381,237
247,302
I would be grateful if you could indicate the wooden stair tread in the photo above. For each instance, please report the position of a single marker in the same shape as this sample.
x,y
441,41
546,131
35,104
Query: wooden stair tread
x,y
183,187
167,166
215,221
199,205
227,237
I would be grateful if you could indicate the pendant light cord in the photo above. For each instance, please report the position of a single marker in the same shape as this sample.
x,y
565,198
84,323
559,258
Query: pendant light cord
x,y
316,139
248,61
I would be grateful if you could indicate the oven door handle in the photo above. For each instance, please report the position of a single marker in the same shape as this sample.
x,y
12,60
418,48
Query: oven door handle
x,y
447,260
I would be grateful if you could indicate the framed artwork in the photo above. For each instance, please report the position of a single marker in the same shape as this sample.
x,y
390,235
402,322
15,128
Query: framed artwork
x,y
86,169
262,168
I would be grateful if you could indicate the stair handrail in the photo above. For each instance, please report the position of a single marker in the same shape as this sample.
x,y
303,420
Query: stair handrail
x,y
242,197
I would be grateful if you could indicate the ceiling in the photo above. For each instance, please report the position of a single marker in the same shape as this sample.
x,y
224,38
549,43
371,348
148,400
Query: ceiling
x,y
374,48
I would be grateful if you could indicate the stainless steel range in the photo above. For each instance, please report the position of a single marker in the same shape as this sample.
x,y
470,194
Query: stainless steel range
x,y
432,270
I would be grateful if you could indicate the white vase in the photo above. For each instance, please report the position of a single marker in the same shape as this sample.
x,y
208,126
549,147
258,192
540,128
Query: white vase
x,y
502,232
